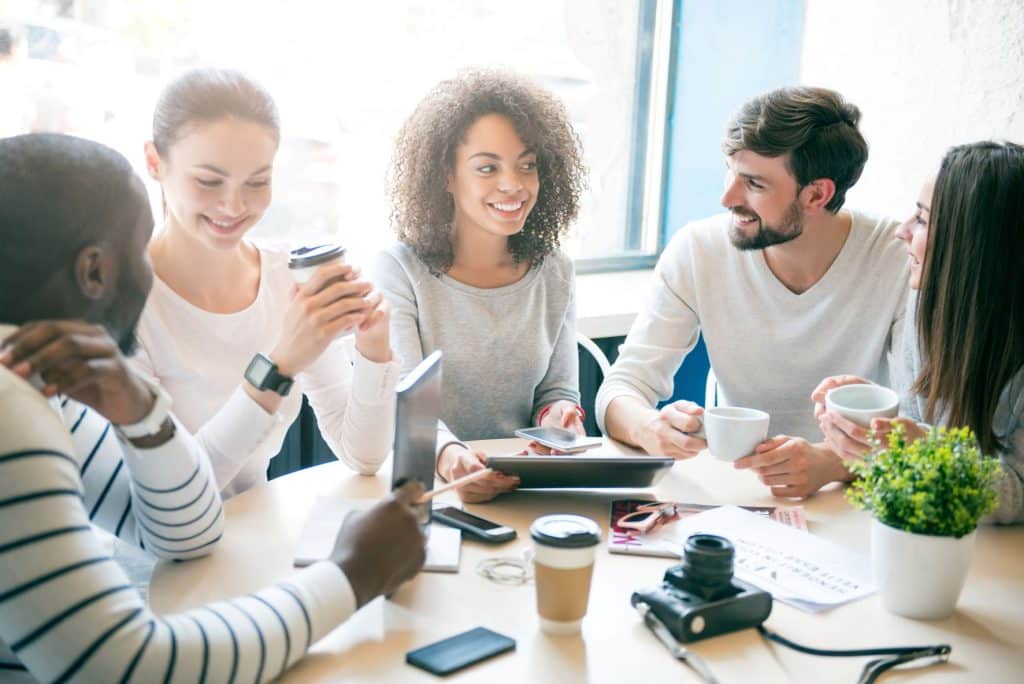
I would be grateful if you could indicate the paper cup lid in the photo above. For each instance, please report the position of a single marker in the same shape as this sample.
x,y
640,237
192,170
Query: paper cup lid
x,y
304,257
565,531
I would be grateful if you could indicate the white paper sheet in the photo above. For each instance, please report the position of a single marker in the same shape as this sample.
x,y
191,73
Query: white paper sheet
x,y
444,544
806,571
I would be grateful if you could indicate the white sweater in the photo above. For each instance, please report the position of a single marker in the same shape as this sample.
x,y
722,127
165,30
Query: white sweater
x,y
67,611
200,357
768,347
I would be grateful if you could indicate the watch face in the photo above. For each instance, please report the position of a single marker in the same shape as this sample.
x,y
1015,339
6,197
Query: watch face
x,y
258,369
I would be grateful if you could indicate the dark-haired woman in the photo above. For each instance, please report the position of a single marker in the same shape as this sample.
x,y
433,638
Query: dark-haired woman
x,y
487,178
965,364
219,299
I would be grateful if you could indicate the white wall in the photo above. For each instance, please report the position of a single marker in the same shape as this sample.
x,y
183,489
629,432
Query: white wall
x,y
926,74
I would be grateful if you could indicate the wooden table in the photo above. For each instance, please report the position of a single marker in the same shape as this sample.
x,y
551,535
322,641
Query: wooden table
x,y
263,526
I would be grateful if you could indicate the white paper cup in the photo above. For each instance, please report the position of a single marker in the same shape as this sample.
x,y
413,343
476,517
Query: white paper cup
x,y
860,403
304,261
733,432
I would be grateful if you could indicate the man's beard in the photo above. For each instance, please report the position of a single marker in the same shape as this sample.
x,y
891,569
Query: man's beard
x,y
128,343
122,319
766,236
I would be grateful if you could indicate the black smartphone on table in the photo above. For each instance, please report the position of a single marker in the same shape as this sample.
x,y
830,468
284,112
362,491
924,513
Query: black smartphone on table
x,y
473,525
462,650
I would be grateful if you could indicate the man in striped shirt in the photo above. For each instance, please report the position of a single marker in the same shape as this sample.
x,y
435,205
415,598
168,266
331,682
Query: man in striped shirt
x,y
85,440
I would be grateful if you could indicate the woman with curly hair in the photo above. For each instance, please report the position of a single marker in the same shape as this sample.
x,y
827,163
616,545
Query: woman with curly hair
x,y
486,178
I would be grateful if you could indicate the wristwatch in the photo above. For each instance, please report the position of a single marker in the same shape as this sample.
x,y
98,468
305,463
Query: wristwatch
x,y
262,374
154,421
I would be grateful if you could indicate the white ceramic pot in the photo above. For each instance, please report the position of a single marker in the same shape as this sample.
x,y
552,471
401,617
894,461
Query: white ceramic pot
x,y
919,575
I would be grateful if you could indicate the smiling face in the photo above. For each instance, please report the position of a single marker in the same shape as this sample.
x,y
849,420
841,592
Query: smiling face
x,y
914,232
763,197
494,181
216,179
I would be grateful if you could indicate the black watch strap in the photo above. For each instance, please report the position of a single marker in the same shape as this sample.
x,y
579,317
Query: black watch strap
x,y
262,374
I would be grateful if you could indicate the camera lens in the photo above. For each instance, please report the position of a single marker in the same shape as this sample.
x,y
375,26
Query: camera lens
x,y
707,566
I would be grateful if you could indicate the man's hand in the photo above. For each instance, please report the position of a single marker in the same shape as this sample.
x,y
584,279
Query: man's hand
x,y
793,467
667,434
79,360
380,548
457,461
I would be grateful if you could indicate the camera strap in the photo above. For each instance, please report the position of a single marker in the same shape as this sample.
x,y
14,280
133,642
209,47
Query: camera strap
x,y
930,655
897,655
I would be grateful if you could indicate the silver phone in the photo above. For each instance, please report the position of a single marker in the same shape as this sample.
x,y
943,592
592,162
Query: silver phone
x,y
560,439
474,525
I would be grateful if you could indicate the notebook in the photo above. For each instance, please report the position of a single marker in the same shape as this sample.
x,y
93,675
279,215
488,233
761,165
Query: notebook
x,y
444,544
666,541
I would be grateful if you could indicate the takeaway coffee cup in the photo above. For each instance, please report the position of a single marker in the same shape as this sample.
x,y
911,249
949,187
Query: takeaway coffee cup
x,y
304,261
860,403
733,432
564,547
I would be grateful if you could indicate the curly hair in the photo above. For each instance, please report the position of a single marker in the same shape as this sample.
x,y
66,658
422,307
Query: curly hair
x,y
424,157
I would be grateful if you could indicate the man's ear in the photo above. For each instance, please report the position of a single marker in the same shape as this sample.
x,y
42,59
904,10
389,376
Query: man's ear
x,y
95,272
817,194
152,160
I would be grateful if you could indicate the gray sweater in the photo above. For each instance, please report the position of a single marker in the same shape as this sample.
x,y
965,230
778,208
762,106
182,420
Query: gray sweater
x,y
1008,423
508,351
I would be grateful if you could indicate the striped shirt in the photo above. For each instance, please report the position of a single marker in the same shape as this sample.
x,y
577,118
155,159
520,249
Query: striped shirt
x,y
67,611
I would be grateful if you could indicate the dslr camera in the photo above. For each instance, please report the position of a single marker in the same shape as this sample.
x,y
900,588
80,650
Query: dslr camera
x,y
700,598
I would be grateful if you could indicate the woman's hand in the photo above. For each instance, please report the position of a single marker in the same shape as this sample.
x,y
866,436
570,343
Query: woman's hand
x,y
333,301
457,461
912,430
372,336
818,395
561,414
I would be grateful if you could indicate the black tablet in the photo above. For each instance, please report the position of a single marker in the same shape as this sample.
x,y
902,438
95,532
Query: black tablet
x,y
575,472
417,409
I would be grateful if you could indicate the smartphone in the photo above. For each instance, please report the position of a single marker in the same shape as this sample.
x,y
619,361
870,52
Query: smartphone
x,y
473,525
459,651
559,438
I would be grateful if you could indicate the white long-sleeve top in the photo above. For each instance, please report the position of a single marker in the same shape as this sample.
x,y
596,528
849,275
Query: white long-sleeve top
x,y
68,612
769,347
200,357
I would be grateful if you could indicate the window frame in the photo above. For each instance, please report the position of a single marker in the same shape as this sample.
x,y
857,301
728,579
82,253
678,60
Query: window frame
x,y
646,203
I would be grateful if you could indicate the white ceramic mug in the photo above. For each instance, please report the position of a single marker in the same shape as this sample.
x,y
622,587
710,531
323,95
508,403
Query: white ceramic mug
x,y
860,403
733,432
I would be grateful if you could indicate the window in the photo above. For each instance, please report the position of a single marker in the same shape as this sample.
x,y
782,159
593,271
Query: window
x,y
345,75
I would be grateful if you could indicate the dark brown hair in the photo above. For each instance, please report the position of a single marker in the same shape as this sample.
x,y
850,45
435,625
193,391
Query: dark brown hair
x,y
208,94
422,208
970,306
815,127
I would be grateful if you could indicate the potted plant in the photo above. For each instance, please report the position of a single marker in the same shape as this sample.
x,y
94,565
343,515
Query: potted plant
x,y
926,498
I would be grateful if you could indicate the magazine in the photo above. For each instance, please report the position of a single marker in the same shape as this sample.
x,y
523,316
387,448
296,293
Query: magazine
x,y
662,538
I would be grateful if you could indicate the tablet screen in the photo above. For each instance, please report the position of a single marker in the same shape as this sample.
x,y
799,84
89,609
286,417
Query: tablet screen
x,y
417,409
